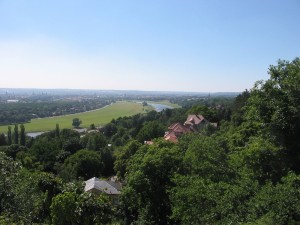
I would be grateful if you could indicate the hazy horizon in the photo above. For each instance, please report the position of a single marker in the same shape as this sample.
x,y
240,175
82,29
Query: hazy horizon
x,y
194,46
54,90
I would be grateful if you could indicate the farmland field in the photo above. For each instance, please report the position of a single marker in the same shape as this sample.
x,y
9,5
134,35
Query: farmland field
x,y
98,117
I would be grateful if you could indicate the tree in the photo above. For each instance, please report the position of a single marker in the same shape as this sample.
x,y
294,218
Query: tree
x,y
13,150
96,142
193,199
109,129
93,209
29,203
277,204
9,139
92,127
124,155
84,163
44,151
145,198
9,169
66,134
72,145
274,104
80,209
76,122
196,200
16,134
22,135
62,209
262,160
150,130
57,130
2,139
238,107
206,149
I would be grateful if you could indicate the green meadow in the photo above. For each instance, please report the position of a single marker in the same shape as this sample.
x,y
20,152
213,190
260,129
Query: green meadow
x,y
99,117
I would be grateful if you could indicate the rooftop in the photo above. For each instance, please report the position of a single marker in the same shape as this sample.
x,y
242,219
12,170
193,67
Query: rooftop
x,y
108,187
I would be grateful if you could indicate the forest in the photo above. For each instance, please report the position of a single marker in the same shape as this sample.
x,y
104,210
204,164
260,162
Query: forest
x,y
244,171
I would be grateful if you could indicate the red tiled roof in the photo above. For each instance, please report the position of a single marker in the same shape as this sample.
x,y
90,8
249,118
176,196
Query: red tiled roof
x,y
178,128
194,119
171,127
171,137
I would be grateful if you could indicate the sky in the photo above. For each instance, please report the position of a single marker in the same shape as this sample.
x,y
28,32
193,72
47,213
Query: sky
x,y
155,45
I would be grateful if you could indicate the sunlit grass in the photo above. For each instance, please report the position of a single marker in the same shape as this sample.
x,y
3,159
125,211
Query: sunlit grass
x,y
99,117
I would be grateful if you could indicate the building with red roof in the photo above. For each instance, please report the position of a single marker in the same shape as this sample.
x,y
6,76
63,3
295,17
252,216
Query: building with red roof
x,y
193,123
175,131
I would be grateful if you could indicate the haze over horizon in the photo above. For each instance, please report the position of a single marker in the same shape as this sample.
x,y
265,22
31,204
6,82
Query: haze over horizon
x,y
190,46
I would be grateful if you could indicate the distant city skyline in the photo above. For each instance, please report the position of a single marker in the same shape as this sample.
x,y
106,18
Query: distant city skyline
x,y
189,46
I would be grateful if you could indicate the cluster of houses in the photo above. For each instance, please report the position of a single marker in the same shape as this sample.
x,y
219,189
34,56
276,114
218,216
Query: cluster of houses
x,y
193,123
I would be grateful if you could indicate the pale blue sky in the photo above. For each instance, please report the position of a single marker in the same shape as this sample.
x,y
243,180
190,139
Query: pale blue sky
x,y
212,45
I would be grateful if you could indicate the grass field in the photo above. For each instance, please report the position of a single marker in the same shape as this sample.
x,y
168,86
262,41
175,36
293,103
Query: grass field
x,y
98,117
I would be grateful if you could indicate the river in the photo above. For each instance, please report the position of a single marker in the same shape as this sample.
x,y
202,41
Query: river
x,y
159,107
34,134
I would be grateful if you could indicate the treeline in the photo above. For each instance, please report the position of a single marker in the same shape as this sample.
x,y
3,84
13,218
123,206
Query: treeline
x,y
14,136
16,113
244,172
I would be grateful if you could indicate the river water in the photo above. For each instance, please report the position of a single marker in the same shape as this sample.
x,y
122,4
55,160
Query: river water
x,y
160,107
34,134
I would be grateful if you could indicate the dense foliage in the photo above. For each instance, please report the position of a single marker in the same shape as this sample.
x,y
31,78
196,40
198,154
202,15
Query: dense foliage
x,y
244,172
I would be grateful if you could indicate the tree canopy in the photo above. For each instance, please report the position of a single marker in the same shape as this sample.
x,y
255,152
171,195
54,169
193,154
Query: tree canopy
x,y
76,122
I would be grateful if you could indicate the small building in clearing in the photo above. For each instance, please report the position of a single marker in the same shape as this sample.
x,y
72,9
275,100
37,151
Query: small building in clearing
x,y
109,187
